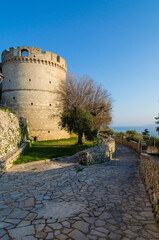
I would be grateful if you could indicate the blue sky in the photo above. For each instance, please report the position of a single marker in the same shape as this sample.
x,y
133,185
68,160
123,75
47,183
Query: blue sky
x,y
116,42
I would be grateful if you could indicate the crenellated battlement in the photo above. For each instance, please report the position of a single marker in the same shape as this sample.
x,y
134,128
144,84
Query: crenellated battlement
x,y
33,55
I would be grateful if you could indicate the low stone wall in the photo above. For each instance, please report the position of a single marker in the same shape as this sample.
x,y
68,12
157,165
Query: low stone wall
x,y
7,161
98,154
137,146
118,140
152,150
9,133
149,169
134,145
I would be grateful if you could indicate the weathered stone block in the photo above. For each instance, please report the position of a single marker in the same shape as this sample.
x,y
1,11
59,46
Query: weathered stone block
x,y
84,158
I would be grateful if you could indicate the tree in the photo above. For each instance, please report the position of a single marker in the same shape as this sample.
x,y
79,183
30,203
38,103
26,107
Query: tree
x,y
86,103
78,122
108,131
146,134
131,133
157,122
119,134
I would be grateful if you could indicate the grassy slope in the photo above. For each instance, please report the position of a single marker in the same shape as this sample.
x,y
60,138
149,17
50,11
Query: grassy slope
x,y
49,149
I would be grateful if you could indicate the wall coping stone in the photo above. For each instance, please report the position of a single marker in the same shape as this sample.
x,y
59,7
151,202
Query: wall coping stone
x,y
7,161
150,157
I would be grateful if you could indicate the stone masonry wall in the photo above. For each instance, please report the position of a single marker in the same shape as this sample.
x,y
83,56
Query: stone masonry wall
x,y
132,144
7,161
98,154
149,169
9,133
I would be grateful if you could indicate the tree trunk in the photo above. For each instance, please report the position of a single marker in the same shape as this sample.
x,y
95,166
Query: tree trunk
x,y
81,139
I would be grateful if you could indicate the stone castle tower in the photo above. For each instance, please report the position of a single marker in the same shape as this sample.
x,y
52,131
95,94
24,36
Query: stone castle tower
x,y
34,87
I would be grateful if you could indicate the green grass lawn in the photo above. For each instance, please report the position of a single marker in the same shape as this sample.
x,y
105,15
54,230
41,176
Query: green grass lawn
x,y
49,149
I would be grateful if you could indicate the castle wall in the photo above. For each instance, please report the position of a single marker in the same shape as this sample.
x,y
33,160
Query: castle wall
x,y
34,86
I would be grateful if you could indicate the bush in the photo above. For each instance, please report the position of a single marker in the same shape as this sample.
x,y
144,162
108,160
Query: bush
x,y
137,138
145,138
157,143
153,141
119,134
133,135
131,132
108,131
128,138
92,134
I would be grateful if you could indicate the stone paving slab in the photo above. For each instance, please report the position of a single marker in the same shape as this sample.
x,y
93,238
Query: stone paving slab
x,y
60,200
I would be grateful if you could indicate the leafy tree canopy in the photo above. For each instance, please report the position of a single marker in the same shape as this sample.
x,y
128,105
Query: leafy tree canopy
x,y
88,106
131,132
146,132
157,122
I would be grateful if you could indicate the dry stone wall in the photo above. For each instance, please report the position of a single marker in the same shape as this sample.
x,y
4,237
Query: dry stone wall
x,y
137,146
152,150
98,154
7,161
10,135
149,169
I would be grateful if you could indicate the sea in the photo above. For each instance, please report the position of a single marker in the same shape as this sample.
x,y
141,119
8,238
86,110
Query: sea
x,y
139,129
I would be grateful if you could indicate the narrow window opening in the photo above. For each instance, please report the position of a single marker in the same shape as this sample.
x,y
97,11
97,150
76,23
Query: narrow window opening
x,y
29,80
49,81
31,103
48,131
9,80
50,104
24,53
13,97
35,139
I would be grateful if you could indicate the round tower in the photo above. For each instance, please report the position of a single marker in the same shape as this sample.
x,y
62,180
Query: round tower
x,y
34,87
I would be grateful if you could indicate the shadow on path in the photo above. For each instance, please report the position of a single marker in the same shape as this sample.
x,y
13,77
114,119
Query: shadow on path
x,y
56,201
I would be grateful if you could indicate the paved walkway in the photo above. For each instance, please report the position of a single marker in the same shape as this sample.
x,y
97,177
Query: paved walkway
x,y
58,201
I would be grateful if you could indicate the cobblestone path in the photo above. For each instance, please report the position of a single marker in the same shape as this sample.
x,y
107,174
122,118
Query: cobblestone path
x,y
58,201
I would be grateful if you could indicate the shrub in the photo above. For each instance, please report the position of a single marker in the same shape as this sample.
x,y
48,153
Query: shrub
x,y
90,135
137,138
128,138
131,132
157,143
119,134
108,131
